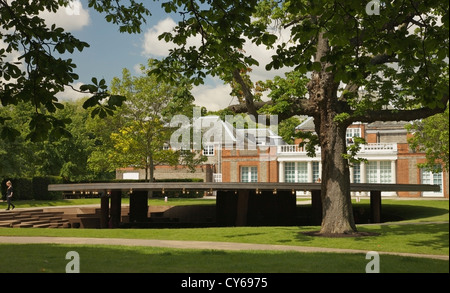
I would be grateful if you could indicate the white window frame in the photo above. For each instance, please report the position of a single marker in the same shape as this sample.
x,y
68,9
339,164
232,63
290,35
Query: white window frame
x,y
249,174
357,173
209,150
379,172
316,171
428,177
351,133
302,172
290,172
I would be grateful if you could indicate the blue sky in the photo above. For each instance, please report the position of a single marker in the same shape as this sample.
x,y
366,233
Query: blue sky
x,y
110,51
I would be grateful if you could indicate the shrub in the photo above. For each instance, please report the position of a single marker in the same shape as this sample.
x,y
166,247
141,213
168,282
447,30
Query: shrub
x,y
40,188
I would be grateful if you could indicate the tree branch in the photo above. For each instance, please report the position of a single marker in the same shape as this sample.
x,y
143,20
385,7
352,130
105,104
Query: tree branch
x,y
401,115
248,95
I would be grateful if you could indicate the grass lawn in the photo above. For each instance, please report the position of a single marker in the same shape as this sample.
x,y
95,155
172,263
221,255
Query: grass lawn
x,y
416,227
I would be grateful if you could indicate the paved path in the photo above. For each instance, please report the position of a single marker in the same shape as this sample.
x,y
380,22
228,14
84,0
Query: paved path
x,y
194,245
200,244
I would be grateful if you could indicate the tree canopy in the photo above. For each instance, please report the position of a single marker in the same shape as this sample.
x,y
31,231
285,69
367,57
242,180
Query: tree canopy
x,y
431,136
343,63
42,69
356,66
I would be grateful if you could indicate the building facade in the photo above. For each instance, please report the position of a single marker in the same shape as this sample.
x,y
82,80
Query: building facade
x,y
264,157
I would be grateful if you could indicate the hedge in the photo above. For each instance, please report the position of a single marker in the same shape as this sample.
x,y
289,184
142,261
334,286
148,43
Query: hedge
x,y
35,188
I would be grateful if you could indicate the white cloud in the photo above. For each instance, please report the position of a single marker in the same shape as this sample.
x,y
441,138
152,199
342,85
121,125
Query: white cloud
x,y
137,68
71,18
153,46
70,95
213,97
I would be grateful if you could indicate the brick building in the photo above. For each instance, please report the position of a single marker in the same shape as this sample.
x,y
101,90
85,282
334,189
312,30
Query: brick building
x,y
264,157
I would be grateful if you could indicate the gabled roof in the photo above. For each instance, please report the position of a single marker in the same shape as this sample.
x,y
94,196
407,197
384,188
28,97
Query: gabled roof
x,y
307,125
213,126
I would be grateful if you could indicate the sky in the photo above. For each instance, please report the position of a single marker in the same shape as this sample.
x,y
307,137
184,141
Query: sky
x,y
111,51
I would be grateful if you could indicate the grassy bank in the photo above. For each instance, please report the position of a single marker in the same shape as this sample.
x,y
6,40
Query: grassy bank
x,y
416,226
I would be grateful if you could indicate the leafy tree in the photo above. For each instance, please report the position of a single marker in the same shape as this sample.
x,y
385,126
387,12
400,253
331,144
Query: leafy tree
x,y
42,70
359,67
142,132
57,156
430,135
286,129
141,145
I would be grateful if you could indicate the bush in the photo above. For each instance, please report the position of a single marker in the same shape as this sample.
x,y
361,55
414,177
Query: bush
x,y
23,188
40,188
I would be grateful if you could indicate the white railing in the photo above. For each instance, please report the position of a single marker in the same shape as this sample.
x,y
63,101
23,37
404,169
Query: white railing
x,y
377,147
365,148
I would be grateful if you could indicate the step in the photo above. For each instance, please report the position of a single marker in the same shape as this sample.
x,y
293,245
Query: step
x,y
47,218
10,222
23,225
35,222
44,225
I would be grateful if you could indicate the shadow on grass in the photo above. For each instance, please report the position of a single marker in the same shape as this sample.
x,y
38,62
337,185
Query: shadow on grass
x,y
409,212
425,235
37,258
397,212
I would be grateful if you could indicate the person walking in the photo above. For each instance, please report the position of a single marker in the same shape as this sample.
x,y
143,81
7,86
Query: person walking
x,y
9,195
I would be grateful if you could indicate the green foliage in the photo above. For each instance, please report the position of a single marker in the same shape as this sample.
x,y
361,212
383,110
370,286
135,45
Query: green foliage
x,y
353,149
40,74
395,65
309,141
138,137
431,135
32,189
284,92
40,188
286,129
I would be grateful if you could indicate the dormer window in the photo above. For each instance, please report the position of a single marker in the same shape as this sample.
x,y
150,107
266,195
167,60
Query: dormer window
x,y
208,150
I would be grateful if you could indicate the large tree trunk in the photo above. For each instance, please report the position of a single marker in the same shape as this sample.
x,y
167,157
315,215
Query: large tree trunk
x,y
337,212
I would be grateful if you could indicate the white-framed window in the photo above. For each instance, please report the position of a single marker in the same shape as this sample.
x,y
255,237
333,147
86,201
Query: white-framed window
x,y
289,172
351,133
302,172
372,172
208,150
249,174
357,173
428,177
296,172
316,171
379,172
385,172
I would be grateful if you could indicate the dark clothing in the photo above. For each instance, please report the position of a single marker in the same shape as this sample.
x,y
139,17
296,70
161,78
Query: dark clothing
x,y
9,195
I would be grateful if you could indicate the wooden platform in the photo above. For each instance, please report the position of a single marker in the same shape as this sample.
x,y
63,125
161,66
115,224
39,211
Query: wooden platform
x,y
238,204
231,186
